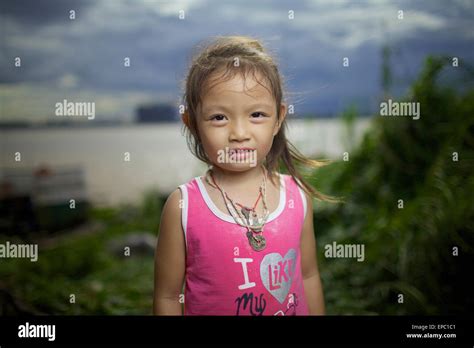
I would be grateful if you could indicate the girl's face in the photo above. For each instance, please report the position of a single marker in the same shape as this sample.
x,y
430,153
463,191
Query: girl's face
x,y
238,114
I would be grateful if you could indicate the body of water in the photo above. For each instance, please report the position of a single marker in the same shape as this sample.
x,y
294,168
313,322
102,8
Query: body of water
x,y
159,158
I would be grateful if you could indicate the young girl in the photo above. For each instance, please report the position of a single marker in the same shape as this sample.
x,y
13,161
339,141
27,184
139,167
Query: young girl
x,y
239,238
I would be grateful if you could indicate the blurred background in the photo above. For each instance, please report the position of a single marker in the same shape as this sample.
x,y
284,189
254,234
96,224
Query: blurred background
x,y
86,188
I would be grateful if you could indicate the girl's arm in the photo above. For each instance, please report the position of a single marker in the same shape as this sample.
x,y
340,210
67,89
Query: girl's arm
x,y
169,259
311,279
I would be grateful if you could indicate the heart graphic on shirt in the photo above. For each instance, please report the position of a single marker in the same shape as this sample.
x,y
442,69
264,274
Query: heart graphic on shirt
x,y
277,273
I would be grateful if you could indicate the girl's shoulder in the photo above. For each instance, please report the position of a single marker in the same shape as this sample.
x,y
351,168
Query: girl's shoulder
x,y
294,184
286,182
283,178
192,180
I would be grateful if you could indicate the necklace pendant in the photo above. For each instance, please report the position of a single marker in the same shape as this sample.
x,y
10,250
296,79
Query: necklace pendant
x,y
245,212
254,220
256,241
256,228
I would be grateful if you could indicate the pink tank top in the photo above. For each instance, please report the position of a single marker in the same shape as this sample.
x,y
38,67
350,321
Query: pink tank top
x,y
224,275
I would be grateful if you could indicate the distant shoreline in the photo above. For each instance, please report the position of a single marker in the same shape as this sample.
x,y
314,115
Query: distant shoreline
x,y
7,126
101,124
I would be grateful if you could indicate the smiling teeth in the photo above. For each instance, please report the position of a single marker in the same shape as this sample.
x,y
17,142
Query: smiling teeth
x,y
238,151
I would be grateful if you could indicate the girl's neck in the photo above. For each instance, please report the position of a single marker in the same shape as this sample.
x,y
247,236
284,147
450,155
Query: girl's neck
x,y
238,179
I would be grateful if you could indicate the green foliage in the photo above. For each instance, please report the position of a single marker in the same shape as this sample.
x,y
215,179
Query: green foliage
x,y
83,265
408,251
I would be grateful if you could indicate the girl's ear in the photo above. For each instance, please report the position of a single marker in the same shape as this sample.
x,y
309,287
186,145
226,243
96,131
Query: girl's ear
x,y
185,118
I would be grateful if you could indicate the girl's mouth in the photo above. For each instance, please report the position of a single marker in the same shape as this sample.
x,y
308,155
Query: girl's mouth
x,y
240,153
240,150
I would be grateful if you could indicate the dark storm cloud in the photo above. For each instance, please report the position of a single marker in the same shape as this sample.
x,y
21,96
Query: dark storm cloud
x,y
40,12
91,49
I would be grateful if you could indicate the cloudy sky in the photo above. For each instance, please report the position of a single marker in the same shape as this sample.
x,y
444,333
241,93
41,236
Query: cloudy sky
x,y
82,59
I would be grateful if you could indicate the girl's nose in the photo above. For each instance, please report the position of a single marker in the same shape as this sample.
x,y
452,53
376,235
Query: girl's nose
x,y
239,131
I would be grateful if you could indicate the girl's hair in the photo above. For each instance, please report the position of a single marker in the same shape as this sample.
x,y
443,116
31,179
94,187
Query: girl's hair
x,y
221,56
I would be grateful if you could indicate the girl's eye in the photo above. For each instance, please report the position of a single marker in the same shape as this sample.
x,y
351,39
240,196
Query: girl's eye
x,y
218,117
259,113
